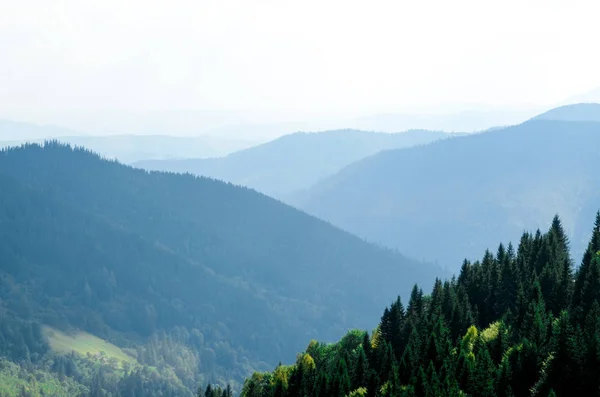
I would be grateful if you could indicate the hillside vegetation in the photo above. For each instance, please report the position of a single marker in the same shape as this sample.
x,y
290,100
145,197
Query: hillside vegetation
x,y
197,280
517,323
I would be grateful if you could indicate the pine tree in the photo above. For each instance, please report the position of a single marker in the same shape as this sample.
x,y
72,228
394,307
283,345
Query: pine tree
x,y
591,356
412,353
535,342
526,365
590,290
385,325
414,311
482,382
361,370
558,272
537,322
435,386
342,382
397,320
579,298
562,367
504,380
490,286
508,286
367,348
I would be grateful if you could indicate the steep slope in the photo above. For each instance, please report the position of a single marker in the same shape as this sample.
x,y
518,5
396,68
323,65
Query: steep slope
x,y
518,323
294,161
453,198
125,255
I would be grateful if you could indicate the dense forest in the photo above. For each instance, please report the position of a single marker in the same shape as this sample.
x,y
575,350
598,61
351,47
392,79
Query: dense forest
x,y
517,323
119,282
178,280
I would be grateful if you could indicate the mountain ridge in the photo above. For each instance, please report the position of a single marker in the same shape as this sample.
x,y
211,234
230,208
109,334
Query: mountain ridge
x,y
589,111
400,212
294,161
126,254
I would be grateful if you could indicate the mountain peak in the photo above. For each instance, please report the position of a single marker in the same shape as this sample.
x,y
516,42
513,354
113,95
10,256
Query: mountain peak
x,y
575,112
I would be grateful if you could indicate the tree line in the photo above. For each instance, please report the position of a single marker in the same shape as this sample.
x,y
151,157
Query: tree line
x,y
520,322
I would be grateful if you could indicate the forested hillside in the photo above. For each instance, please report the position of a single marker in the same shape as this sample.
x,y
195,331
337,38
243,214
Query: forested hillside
x,y
183,280
519,323
295,161
444,201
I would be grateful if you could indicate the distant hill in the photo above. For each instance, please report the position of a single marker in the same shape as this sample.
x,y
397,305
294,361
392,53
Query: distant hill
x,y
18,131
294,161
155,262
473,120
457,197
125,148
576,112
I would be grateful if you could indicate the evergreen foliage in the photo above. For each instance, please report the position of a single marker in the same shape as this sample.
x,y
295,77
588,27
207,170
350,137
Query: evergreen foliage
x,y
514,324
197,280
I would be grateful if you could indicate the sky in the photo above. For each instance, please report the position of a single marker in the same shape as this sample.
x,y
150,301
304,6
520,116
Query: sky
x,y
282,61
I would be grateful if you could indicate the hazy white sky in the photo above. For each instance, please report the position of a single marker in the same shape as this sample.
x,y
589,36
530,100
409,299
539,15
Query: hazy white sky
x,y
296,56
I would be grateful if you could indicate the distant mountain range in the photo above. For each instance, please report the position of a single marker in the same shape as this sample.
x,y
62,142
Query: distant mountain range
x,y
459,121
458,196
126,255
125,148
17,131
296,161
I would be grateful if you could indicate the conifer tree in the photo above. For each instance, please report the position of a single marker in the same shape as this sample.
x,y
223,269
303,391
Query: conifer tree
x,y
511,325
561,367
591,358
361,370
482,382
579,298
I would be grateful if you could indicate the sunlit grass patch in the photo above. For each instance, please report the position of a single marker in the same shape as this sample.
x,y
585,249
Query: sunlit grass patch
x,y
85,344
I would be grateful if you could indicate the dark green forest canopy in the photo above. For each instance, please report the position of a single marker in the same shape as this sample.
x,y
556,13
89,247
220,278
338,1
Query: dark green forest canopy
x,y
517,323
195,276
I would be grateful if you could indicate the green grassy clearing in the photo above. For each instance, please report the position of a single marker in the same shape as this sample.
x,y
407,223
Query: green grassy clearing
x,y
84,343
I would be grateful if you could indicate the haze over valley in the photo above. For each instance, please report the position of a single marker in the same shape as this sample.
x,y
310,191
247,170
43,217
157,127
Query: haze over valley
x,y
299,199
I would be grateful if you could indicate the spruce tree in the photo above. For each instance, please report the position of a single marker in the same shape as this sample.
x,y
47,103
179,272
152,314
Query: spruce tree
x,y
591,355
397,321
579,299
590,290
361,370
483,379
535,342
561,368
